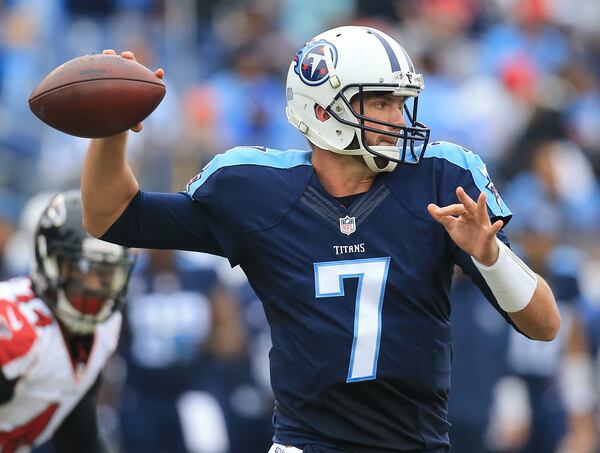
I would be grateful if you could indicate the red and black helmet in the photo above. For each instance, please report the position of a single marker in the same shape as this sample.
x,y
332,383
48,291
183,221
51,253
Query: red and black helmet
x,y
81,278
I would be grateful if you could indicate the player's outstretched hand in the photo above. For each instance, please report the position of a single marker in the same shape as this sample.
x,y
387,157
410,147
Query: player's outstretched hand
x,y
469,226
160,73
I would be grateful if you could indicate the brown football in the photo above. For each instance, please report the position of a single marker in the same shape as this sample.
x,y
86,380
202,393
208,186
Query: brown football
x,y
97,95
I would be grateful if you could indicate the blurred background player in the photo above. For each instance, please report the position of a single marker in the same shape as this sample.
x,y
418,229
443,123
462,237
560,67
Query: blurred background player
x,y
189,383
476,366
57,330
557,377
542,394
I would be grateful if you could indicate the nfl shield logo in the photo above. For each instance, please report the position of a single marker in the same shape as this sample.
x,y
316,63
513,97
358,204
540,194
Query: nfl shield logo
x,y
348,225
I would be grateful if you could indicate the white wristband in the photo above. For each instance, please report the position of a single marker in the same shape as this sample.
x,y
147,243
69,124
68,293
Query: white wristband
x,y
510,279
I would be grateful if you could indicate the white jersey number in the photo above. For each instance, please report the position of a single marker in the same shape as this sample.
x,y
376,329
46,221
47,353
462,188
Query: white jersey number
x,y
372,275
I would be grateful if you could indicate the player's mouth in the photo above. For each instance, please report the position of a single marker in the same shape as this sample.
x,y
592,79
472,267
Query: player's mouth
x,y
386,141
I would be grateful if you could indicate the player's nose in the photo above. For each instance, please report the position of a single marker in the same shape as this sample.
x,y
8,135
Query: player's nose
x,y
398,118
93,281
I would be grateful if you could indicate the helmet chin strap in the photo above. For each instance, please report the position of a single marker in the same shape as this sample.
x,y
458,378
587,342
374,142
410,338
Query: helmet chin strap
x,y
389,151
370,159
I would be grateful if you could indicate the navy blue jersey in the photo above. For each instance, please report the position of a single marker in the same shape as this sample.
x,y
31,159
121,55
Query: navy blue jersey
x,y
356,296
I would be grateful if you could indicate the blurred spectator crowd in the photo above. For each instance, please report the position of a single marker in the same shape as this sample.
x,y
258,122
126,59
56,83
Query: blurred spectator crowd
x,y
515,81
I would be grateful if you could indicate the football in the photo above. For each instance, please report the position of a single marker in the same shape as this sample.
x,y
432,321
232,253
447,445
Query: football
x,y
97,95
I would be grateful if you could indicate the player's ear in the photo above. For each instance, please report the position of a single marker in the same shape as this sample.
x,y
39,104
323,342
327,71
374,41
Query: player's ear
x,y
321,113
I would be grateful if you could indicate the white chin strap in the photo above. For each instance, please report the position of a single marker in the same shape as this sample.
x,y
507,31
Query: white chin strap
x,y
387,151
392,152
371,159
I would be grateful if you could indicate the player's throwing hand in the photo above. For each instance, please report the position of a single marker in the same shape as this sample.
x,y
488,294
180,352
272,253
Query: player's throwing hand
x,y
160,73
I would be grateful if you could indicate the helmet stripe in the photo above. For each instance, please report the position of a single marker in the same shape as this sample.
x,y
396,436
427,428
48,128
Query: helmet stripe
x,y
394,63
411,67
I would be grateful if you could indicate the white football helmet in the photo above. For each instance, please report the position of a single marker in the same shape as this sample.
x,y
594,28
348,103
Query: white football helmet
x,y
344,62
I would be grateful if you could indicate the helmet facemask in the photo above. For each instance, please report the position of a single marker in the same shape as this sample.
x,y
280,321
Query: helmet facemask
x,y
411,137
89,284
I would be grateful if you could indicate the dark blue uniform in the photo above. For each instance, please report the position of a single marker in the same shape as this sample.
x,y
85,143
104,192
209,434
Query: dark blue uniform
x,y
356,296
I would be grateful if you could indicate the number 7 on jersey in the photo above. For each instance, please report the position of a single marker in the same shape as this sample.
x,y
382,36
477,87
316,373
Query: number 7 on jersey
x,y
372,275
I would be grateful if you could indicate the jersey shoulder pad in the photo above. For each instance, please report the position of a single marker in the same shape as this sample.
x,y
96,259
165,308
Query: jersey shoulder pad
x,y
467,169
454,154
251,188
256,156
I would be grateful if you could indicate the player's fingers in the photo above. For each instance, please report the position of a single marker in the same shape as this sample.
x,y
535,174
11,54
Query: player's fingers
x,y
497,226
434,211
160,73
128,54
109,52
447,221
482,212
138,127
453,209
466,200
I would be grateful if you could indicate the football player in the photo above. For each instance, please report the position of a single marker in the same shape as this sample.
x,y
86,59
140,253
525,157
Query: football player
x,y
350,246
57,330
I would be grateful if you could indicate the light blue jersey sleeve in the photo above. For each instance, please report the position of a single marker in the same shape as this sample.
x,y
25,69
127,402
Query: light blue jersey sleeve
x,y
250,188
249,155
474,175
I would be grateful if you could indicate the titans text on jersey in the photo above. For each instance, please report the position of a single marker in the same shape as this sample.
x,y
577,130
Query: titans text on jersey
x,y
353,248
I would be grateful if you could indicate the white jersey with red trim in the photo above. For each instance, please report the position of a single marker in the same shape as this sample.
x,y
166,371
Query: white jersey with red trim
x,y
33,350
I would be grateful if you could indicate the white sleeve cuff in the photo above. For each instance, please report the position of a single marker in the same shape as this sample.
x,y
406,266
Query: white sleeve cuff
x,y
511,281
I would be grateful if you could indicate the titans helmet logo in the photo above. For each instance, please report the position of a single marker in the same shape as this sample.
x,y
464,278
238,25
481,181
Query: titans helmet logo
x,y
310,62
